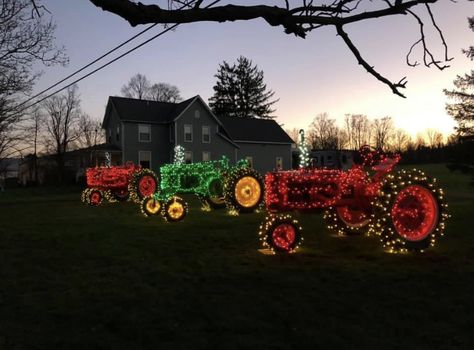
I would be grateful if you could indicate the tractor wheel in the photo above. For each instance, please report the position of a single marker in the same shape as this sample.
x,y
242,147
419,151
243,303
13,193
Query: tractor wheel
x,y
144,183
94,197
150,206
347,220
244,190
412,212
175,209
215,199
84,195
280,233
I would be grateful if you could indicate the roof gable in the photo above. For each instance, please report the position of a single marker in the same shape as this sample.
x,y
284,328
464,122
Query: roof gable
x,y
134,110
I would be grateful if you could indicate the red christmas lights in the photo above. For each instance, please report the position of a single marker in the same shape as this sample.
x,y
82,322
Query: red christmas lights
x,y
406,209
118,183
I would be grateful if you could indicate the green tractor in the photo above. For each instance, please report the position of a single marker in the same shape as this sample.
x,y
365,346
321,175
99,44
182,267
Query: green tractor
x,y
216,183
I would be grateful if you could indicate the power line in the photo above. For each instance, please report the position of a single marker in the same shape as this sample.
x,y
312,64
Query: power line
x,y
103,66
88,65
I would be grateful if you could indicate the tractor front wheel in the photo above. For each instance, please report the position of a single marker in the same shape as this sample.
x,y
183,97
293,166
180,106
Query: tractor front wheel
x,y
150,206
94,197
412,212
175,209
280,233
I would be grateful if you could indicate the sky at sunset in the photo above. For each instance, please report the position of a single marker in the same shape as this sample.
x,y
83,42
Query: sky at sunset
x,y
309,76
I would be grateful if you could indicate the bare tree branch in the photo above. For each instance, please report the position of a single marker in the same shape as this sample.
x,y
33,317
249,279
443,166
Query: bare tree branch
x,y
309,15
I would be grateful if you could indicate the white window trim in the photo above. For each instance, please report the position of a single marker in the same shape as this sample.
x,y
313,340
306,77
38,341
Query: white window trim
x,y
184,132
208,152
139,140
139,158
202,133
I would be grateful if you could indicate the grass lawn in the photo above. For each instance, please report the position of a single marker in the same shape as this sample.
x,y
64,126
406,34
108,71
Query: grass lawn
x,y
76,277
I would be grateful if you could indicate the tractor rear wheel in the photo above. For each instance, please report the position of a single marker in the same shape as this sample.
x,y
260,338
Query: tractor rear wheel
x,y
144,183
244,190
280,233
413,212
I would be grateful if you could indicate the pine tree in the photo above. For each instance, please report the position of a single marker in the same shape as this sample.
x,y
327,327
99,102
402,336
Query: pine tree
x,y
241,92
463,109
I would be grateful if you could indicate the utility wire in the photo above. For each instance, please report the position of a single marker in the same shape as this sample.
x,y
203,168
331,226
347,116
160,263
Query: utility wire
x,y
104,65
88,65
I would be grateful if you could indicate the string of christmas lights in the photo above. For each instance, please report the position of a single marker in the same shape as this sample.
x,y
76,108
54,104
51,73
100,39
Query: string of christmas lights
x,y
406,209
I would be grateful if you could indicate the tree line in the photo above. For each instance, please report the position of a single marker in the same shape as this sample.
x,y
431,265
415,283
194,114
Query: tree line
x,y
357,130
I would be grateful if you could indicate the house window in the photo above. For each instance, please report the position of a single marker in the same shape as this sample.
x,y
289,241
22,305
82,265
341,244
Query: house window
x,y
117,135
250,161
206,156
188,157
279,163
109,136
206,134
144,133
197,114
188,133
144,159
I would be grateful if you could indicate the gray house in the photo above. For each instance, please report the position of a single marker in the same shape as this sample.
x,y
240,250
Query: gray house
x,y
146,132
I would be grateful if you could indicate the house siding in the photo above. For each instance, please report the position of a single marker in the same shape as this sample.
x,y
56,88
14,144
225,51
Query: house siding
x,y
111,129
264,155
159,146
218,146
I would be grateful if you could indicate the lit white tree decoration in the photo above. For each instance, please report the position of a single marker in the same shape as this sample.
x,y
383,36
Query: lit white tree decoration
x,y
178,154
304,151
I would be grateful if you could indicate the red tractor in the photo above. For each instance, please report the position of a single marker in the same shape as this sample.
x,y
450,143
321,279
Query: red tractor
x,y
405,208
118,183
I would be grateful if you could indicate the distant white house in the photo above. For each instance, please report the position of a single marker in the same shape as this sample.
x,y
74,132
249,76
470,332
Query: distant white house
x,y
334,159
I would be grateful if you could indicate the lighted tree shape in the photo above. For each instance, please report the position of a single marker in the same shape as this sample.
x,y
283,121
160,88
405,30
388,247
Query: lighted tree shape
x,y
178,154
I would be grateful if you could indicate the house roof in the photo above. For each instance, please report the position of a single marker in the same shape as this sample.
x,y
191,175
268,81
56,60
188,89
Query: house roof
x,y
255,130
131,109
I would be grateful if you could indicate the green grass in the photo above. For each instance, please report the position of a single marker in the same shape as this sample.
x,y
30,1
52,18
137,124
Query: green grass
x,y
75,277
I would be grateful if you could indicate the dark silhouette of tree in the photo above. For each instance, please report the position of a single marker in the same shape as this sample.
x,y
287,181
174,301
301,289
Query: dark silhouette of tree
x,y
137,87
358,130
463,109
325,134
163,92
89,132
26,40
298,19
62,114
401,139
383,131
241,92
141,88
